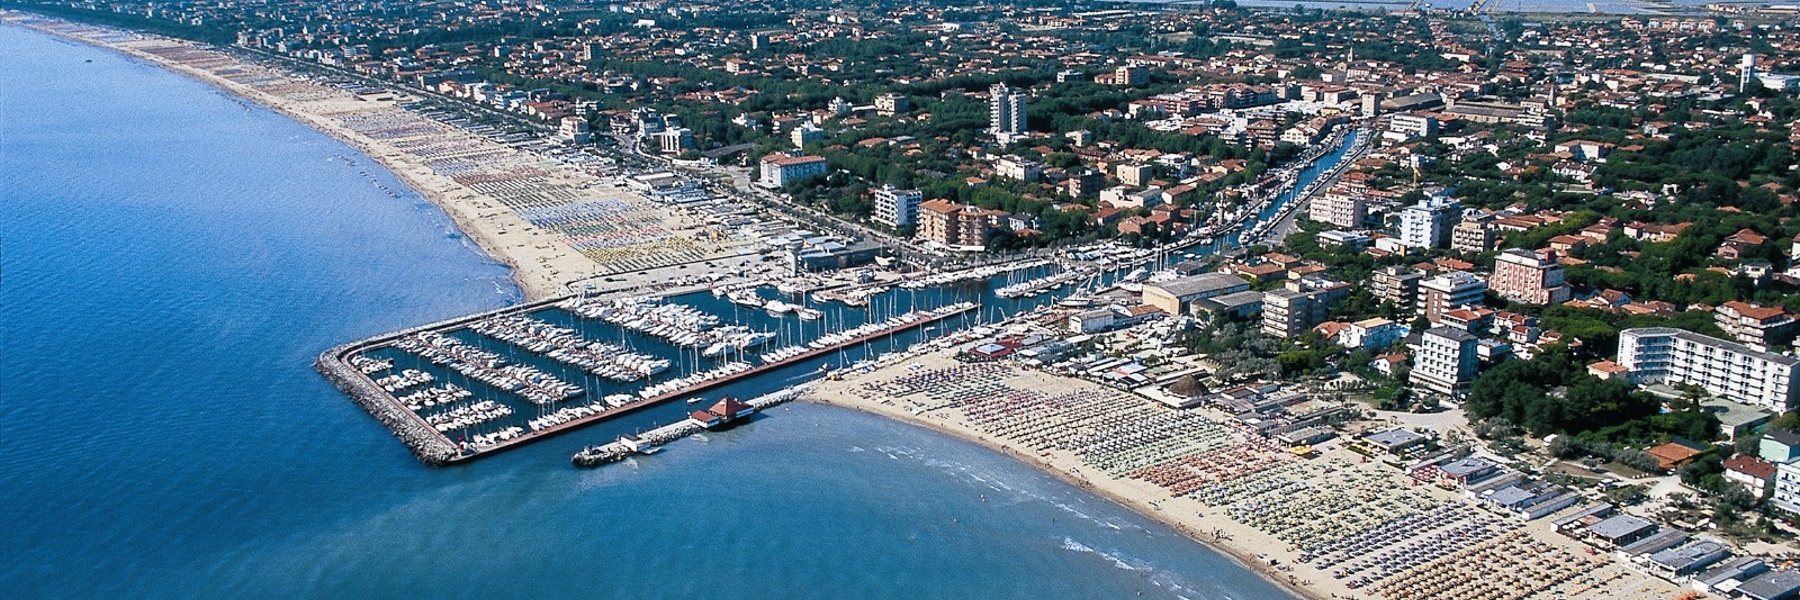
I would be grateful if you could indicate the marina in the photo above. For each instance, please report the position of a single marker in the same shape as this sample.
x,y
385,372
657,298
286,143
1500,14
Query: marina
x,y
460,389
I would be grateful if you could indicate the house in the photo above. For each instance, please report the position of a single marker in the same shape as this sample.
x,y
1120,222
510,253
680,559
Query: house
x,y
1737,245
1755,474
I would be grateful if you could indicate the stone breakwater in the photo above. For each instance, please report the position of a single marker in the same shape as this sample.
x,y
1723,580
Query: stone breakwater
x,y
426,443
431,447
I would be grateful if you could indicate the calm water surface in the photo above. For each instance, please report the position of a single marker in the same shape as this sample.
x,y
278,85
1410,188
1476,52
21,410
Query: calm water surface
x,y
172,260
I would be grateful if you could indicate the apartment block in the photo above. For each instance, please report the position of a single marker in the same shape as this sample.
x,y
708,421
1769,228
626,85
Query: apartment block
x,y
1723,368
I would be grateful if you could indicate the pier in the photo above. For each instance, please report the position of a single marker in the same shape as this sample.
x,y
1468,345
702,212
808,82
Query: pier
x,y
350,370
647,442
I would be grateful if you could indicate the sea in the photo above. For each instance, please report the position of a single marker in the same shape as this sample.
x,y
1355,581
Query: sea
x,y
172,258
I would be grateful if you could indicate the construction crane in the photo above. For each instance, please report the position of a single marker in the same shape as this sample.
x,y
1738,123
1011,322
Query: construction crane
x,y
1479,5
1419,6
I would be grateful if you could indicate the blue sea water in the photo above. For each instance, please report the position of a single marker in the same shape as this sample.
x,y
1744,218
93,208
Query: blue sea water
x,y
172,258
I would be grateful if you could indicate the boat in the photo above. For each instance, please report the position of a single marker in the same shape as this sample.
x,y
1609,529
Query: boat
x,y
745,298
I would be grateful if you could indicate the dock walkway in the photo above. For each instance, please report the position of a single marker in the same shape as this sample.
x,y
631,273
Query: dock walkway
x,y
644,443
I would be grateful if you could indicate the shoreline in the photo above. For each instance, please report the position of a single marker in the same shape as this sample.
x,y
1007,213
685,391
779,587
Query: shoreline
x,y
542,265
1243,557
936,392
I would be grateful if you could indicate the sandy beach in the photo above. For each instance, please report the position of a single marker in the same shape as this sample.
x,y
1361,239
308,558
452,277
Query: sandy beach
x,y
553,223
1258,503
1267,507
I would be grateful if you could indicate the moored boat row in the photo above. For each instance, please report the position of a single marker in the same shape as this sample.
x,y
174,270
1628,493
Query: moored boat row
x,y
467,415
566,345
677,384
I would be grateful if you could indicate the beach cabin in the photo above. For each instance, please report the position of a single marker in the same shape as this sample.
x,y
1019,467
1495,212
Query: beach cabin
x,y
1727,576
1773,585
1682,562
1620,531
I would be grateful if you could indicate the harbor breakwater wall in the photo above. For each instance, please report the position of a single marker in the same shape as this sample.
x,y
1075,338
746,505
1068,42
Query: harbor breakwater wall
x,y
426,444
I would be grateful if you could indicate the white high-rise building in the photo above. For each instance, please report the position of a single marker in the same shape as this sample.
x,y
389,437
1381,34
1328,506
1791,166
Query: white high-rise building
x,y
1006,110
1428,223
1444,362
896,207
1726,369
1748,72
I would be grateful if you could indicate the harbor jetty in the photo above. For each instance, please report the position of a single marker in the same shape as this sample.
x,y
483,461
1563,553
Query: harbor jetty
x,y
425,418
650,441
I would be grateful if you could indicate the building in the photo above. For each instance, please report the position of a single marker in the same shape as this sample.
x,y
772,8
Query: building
x,y
1781,584
1621,530
1085,183
1396,285
1018,169
1759,327
805,134
1412,125
1427,224
955,225
1726,576
1681,562
1091,321
1235,305
1531,277
1299,305
896,208
937,221
1342,208
780,169
726,412
1444,362
1786,494
1447,291
891,104
1727,369
676,140
1753,473
1373,334
1006,110
1131,75
1175,296
1473,236
1779,446
573,130
1135,174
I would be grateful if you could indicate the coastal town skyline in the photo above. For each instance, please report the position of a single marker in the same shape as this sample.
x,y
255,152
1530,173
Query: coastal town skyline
x,y
1388,302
